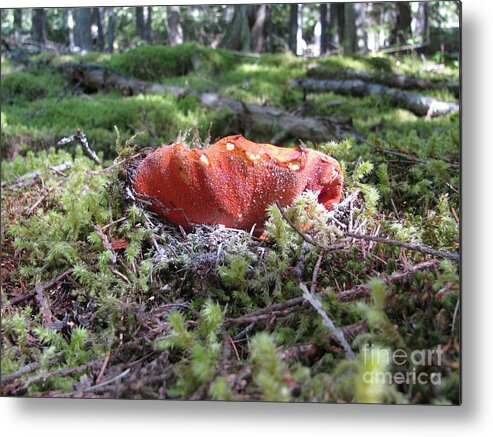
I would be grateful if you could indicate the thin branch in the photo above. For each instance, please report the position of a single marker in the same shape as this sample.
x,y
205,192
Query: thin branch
x,y
415,247
34,176
44,305
51,283
314,301
106,243
406,156
265,312
363,289
28,368
82,139
306,237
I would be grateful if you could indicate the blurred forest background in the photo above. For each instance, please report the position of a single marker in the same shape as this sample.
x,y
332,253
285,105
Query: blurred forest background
x,y
100,298
309,29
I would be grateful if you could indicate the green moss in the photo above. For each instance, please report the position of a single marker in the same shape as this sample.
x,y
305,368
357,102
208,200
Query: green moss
x,y
30,85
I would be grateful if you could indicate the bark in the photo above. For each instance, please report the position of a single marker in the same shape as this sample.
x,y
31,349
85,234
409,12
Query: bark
x,y
418,104
17,23
93,78
148,25
324,31
173,25
341,21
83,29
293,27
403,81
39,26
238,36
139,21
270,33
421,23
99,19
111,29
349,42
259,28
70,29
333,41
402,28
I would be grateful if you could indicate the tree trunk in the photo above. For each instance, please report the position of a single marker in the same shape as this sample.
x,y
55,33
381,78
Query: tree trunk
x,y
349,42
139,22
70,28
421,23
173,25
83,29
293,27
17,24
402,29
238,36
341,22
324,31
333,41
270,33
258,30
417,104
99,20
111,29
39,26
148,25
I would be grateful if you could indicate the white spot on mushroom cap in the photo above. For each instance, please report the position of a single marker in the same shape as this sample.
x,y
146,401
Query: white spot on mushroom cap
x,y
204,159
230,146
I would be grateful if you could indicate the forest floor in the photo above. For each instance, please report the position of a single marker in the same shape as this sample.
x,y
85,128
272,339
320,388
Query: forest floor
x,y
102,299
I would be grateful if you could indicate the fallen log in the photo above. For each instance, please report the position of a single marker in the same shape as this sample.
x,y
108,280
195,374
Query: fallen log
x,y
95,78
402,81
418,104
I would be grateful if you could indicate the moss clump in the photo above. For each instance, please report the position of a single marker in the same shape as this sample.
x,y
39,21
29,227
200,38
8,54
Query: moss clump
x,y
30,85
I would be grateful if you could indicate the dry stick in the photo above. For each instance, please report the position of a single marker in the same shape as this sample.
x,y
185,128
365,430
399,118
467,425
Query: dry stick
x,y
31,209
106,243
95,387
44,305
314,301
22,297
290,305
31,367
82,139
25,179
45,375
404,155
103,367
306,237
265,312
363,289
415,247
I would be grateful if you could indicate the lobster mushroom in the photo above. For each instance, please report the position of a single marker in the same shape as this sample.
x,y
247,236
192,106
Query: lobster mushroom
x,y
233,181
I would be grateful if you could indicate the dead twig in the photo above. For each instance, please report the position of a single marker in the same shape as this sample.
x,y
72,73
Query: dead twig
x,y
408,157
44,305
82,139
50,284
330,247
363,289
34,176
103,367
28,368
106,243
315,302
415,247
265,312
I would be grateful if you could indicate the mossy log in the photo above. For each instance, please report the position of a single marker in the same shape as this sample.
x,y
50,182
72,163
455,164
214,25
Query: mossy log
x,y
92,78
402,81
416,103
